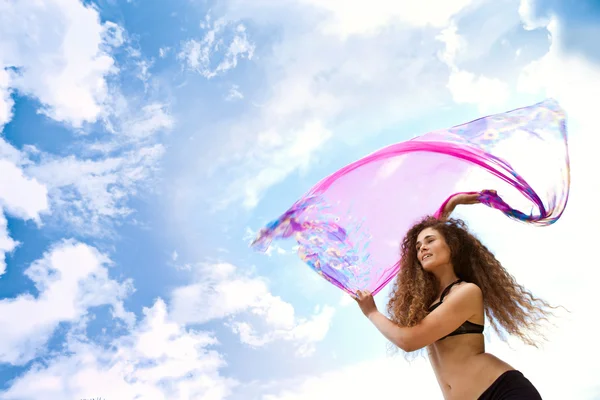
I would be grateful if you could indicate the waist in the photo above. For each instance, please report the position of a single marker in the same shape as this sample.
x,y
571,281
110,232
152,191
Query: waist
x,y
468,376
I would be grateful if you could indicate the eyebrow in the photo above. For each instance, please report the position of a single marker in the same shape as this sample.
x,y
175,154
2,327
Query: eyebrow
x,y
428,236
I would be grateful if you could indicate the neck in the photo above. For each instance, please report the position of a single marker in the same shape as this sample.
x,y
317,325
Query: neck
x,y
445,277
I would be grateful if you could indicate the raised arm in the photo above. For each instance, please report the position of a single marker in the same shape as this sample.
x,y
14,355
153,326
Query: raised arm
x,y
457,199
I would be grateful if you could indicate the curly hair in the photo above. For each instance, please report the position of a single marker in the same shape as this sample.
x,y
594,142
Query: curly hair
x,y
506,303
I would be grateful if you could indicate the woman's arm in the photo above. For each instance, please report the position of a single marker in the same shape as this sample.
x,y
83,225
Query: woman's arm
x,y
446,318
457,199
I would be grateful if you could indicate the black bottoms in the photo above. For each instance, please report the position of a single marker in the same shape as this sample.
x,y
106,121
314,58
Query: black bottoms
x,y
511,385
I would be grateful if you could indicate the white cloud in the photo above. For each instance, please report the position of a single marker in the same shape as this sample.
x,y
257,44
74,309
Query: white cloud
x,y
305,333
236,294
163,51
370,379
348,18
346,300
526,12
231,294
468,88
20,196
11,154
70,278
6,101
465,86
201,56
7,244
61,54
286,153
144,70
143,124
133,121
274,248
89,194
234,93
157,360
567,77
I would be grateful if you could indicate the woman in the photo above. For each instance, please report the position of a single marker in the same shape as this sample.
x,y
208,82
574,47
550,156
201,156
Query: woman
x,y
447,281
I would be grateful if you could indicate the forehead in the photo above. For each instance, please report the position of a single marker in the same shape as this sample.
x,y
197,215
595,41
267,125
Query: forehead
x,y
426,232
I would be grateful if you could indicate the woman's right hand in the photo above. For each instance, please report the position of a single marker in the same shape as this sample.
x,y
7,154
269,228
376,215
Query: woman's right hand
x,y
461,198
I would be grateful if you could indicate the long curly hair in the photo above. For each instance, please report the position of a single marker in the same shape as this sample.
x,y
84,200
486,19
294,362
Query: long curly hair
x,y
506,303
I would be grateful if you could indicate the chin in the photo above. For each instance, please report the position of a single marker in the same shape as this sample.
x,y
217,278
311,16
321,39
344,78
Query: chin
x,y
428,267
432,266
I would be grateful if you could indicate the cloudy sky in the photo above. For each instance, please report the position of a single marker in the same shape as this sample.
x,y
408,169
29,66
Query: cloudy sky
x,y
142,142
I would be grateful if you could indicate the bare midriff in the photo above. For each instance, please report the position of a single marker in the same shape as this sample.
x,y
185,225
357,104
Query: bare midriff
x,y
462,367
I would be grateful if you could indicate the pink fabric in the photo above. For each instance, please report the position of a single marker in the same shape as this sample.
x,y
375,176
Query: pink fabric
x,y
349,225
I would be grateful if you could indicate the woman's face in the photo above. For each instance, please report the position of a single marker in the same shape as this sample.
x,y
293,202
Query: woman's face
x,y
432,250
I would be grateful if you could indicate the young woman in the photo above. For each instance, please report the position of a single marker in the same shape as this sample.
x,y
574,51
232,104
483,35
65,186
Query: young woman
x,y
448,281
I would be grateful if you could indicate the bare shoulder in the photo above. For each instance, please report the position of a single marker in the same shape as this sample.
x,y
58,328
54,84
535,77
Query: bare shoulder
x,y
467,291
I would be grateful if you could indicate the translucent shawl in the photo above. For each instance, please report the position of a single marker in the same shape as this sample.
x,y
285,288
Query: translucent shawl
x,y
348,227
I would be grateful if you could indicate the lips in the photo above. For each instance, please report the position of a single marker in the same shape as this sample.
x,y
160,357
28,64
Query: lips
x,y
426,256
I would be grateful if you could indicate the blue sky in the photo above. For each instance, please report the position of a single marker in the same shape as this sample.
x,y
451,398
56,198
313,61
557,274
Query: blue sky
x,y
143,142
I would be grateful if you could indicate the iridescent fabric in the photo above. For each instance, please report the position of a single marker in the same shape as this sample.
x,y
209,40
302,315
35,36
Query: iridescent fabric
x,y
348,227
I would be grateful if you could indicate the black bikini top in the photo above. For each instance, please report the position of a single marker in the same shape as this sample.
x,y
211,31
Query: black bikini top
x,y
466,327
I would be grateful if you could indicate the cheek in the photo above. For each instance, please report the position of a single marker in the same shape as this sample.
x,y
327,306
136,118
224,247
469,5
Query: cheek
x,y
445,250
449,253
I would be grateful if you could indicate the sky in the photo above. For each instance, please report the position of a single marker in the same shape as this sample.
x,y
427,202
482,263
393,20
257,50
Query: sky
x,y
143,143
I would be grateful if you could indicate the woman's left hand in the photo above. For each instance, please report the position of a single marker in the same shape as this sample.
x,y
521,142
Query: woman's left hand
x,y
366,302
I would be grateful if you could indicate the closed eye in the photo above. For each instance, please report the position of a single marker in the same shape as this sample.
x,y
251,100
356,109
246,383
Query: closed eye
x,y
428,239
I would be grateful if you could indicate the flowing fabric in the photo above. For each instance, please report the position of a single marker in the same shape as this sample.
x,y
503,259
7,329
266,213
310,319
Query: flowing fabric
x,y
348,227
